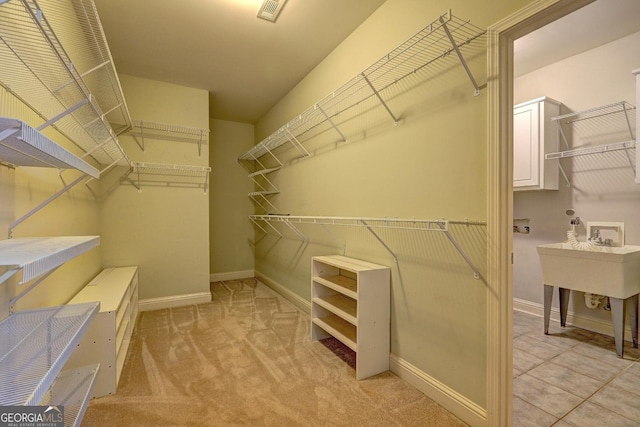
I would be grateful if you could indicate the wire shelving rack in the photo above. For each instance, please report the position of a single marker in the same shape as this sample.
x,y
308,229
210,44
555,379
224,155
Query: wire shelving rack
x,y
264,223
439,40
602,129
153,130
38,70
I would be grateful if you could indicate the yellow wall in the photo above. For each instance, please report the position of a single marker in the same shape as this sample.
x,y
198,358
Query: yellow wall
x,y
432,165
231,232
164,228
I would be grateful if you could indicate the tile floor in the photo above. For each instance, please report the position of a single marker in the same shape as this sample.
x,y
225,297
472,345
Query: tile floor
x,y
572,377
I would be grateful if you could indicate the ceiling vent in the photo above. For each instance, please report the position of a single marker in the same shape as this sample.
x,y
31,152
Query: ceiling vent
x,y
270,9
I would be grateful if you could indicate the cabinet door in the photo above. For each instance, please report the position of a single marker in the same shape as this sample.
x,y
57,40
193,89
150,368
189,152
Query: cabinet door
x,y
526,146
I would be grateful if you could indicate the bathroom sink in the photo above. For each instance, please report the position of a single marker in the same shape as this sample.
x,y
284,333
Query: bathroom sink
x,y
603,270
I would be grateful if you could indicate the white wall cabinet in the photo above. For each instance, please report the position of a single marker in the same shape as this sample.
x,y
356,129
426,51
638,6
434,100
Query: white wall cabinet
x,y
350,301
534,135
107,339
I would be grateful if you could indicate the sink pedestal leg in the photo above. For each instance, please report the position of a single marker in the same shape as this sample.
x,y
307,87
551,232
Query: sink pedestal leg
x,y
564,305
617,316
548,298
632,308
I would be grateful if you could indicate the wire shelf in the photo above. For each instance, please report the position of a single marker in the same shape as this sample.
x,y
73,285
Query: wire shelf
x,y
264,172
597,130
438,40
38,71
583,151
394,223
34,347
171,170
437,225
34,256
91,56
22,145
72,389
601,112
263,193
144,129
169,175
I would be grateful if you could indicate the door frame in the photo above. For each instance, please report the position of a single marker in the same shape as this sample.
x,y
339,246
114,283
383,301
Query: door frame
x,y
500,38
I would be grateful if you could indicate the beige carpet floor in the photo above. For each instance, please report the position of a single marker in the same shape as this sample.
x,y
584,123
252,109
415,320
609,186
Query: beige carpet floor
x,y
246,359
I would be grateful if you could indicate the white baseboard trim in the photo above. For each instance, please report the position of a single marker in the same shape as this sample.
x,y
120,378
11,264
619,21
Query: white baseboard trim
x,y
292,297
174,301
580,321
468,411
232,275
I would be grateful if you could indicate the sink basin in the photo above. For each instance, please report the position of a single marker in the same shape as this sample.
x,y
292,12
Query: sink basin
x,y
610,271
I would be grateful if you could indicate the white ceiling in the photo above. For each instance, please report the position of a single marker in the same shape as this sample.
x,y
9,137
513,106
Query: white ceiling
x,y
249,64
594,25
221,46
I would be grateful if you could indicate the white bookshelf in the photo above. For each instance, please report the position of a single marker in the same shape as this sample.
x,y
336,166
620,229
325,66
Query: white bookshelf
x,y
350,302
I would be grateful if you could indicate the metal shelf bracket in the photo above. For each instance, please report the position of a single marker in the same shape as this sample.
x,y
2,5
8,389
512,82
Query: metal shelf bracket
x,y
39,280
455,47
476,272
384,104
263,230
395,257
344,138
43,204
297,144
263,195
63,114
